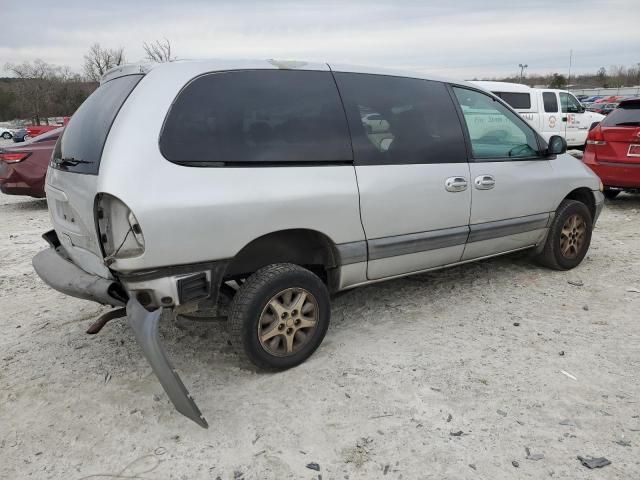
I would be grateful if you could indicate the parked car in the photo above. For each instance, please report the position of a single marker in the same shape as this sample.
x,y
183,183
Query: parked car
x,y
551,112
592,99
20,135
268,187
613,149
23,167
602,108
6,133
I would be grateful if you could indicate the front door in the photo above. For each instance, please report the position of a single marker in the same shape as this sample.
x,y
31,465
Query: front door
x,y
412,171
576,122
511,191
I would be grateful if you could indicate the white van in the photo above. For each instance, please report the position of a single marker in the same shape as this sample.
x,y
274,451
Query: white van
x,y
550,111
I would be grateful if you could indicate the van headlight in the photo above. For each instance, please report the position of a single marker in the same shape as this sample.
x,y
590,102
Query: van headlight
x,y
119,231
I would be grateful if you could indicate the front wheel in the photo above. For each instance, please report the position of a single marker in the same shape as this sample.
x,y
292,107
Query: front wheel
x,y
280,316
569,236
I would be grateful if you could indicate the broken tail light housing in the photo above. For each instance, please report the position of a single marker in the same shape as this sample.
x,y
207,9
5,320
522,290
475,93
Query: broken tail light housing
x,y
11,157
118,229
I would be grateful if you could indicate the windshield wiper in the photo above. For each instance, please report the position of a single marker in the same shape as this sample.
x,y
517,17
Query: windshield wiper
x,y
69,162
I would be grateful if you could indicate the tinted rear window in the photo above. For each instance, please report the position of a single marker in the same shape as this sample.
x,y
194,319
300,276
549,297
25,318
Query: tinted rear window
x,y
257,116
550,101
516,100
627,115
396,120
80,147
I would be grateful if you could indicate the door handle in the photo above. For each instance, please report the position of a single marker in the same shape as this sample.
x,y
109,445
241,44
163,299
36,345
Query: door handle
x,y
485,182
564,119
455,184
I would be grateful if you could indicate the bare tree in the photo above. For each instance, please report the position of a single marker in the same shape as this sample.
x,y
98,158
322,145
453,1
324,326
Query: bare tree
x,y
35,86
99,60
158,51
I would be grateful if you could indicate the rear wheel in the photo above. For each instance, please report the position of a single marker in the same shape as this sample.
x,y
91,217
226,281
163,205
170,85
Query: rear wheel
x,y
279,316
611,194
6,135
569,236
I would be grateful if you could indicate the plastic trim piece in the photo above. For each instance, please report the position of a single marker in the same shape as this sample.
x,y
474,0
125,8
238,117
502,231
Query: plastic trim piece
x,y
145,327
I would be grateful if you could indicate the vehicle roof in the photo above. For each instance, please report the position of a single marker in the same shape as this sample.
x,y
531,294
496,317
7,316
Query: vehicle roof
x,y
199,67
494,86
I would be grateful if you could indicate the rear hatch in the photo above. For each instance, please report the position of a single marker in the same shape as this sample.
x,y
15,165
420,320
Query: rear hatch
x,y
72,177
620,132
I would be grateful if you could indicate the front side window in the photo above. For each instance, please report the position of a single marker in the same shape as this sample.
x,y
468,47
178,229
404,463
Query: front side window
x,y
396,120
257,116
569,103
494,130
550,102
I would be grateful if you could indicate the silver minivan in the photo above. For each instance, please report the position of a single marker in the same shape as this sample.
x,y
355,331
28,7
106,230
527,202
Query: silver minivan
x,y
271,185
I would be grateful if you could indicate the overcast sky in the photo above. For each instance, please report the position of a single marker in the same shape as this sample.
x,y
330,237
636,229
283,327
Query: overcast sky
x,y
457,38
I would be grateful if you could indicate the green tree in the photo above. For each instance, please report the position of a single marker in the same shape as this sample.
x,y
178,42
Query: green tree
x,y
557,81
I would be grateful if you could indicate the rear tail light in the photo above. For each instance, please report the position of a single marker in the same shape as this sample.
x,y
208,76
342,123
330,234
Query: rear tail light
x,y
14,157
118,228
596,137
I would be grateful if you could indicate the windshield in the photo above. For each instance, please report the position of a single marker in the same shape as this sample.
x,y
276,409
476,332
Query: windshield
x,y
80,147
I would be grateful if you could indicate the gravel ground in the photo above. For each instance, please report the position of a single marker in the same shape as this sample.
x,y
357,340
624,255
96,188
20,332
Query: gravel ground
x,y
447,375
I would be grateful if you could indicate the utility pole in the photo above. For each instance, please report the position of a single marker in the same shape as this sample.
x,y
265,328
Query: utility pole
x,y
522,67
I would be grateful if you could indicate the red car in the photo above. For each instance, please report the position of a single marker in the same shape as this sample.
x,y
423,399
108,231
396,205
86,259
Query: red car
x,y
613,149
35,130
23,168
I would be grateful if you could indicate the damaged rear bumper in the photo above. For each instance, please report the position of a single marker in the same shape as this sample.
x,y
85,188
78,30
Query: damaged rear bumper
x,y
63,275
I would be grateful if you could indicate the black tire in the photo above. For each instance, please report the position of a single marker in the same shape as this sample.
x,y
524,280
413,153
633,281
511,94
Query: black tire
x,y
6,135
610,194
252,299
552,255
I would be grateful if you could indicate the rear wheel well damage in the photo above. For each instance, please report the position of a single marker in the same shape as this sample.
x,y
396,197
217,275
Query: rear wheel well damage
x,y
307,248
584,195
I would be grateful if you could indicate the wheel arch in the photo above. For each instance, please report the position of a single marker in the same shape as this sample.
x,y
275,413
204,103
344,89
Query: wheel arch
x,y
584,195
305,247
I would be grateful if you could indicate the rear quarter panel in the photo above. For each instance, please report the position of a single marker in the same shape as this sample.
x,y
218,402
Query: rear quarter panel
x,y
190,214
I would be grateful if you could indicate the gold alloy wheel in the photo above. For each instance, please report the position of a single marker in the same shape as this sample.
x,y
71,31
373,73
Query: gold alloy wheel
x,y
573,236
288,322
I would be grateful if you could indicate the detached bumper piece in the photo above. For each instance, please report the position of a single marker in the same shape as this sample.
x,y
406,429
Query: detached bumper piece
x,y
145,327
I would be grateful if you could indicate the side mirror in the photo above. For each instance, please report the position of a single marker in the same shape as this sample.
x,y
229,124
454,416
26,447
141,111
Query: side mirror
x,y
557,145
594,125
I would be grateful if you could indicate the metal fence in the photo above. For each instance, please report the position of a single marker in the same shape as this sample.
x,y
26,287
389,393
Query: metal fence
x,y
607,91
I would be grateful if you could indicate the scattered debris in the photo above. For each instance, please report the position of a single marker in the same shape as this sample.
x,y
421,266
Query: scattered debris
x,y
576,283
386,469
593,462
586,308
107,377
459,433
534,456
561,353
472,465
568,423
515,464
449,418
623,443
516,324
160,451
633,290
502,413
253,442
568,375
313,466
